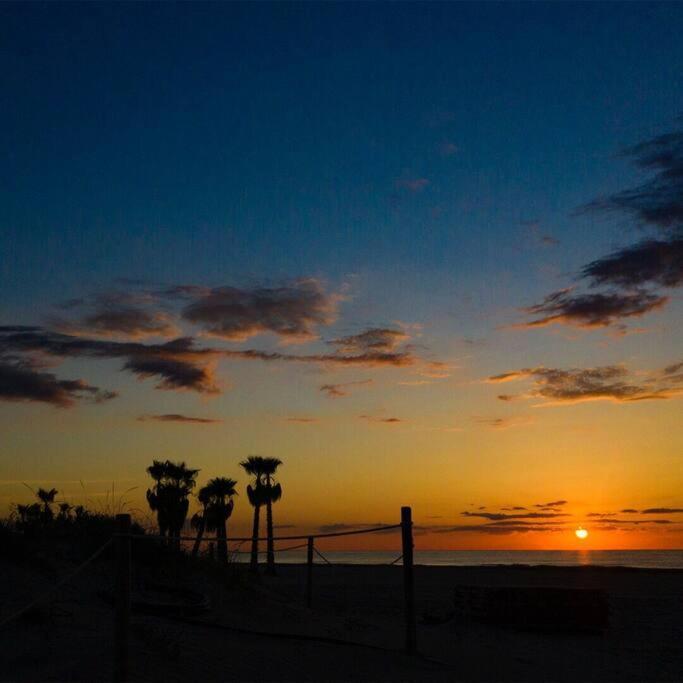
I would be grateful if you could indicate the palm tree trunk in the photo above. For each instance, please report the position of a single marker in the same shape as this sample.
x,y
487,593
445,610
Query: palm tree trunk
x,y
162,532
200,533
222,543
253,565
270,554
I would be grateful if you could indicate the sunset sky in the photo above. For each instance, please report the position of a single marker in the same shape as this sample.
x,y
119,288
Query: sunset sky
x,y
427,255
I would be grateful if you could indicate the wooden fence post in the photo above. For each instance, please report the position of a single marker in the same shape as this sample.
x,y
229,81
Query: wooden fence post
x,y
408,585
309,573
122,597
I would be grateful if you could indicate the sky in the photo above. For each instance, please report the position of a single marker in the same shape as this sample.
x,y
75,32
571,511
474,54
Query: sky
x,y
425,254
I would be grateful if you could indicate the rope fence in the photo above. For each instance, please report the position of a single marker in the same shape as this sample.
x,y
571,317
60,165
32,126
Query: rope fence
x,y
122,541
245,539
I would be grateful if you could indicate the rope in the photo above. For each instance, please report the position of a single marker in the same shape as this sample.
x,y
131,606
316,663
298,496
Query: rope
x,y
59,584
244,539
321,555
398,559
277,550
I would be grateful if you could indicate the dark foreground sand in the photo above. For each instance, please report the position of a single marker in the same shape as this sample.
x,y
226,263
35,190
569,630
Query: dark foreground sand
x,y
71,640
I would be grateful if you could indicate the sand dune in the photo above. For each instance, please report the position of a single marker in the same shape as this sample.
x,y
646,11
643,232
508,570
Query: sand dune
x,y
71,640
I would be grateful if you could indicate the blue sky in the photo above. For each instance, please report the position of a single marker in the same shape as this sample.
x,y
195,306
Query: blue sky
x,y
425,161
197,143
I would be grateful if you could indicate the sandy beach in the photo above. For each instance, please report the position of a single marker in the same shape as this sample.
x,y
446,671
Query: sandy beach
x,y
71,638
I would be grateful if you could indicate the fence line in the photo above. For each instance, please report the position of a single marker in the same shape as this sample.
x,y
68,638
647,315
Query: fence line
x,y
263,552
244,539
122,540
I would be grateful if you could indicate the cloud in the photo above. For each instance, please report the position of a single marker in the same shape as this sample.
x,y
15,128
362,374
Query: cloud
x,y
413,184
175,417
612,382
500,516
374,339
673,369
179,363
435,369
639,521
505,422
649,262
342,389
514,508
551,504
303,419
291,312
385,420
117,314
174,373
592,310
658,202
601,515
630,510
660,511
21,382
498,530
370,359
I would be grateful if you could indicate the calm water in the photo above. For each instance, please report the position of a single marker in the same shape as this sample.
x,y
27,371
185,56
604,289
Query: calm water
x,y
565,558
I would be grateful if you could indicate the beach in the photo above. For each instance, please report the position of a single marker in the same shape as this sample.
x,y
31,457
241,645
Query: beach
x,y
71,639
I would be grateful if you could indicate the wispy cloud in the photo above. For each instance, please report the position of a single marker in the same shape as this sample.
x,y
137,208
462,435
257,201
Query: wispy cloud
x,y
505,422
658,202
343,388
612,382
20,381
180,363
592,310
116,314
501,516
384,420
634,272
176,417
374,339
658,262
293,312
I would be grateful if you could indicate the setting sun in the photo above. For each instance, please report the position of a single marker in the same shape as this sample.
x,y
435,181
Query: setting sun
x,y
581,533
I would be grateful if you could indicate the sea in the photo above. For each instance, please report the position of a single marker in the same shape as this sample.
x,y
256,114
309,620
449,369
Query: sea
x,y
646,559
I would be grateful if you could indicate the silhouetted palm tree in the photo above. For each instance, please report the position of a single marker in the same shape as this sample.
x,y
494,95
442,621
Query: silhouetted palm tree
x,y
218,511
272,493
169,496
47,498
198,520
253,466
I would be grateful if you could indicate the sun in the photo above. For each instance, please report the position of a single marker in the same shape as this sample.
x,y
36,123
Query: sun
x,y
581,533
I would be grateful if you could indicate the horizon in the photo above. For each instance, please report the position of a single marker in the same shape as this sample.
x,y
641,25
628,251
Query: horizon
x,y
429,257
